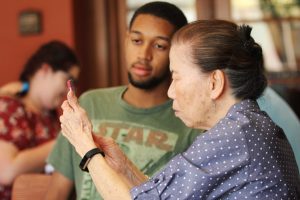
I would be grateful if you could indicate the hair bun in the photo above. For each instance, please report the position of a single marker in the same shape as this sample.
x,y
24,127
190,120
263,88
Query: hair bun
x,y
245,35
245,32
248,43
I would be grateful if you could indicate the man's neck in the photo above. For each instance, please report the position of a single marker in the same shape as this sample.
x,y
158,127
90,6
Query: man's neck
x,y
141,98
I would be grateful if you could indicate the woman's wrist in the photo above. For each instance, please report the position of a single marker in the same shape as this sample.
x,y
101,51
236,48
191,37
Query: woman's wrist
x,y
133,174
87,158
82,150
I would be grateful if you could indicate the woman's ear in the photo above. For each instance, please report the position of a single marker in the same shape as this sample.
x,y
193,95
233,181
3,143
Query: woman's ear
x,y
217,83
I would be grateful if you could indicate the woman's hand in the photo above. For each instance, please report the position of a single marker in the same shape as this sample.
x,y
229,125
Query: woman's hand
x,y
114,156
118,161
76,126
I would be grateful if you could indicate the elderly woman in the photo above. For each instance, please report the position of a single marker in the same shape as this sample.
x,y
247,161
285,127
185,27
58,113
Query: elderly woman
x,y
217,72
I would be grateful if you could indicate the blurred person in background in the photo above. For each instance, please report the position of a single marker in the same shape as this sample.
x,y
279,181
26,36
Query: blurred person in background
x,y
28,112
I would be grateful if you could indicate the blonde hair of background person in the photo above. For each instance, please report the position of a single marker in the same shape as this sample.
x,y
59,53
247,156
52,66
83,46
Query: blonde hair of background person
x,y
217,73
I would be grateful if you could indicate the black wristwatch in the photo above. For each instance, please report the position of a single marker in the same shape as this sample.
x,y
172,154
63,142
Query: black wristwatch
x,y
87,157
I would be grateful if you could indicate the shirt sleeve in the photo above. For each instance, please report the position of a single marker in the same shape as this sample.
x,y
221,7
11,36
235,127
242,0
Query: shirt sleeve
x,y
195,173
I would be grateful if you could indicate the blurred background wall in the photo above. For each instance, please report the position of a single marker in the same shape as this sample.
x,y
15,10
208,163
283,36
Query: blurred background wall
x,y
57,23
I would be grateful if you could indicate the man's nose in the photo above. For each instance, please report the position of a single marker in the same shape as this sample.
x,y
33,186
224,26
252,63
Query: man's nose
x,y
145,52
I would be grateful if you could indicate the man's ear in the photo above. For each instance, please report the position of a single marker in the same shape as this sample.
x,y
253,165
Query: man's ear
x,y
216,84
127,37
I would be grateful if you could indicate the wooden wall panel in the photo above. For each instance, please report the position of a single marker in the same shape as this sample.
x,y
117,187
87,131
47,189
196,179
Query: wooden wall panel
x,y
100,28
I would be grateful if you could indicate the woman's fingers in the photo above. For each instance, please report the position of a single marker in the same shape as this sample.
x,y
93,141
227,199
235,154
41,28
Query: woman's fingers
x,y
72,99
68,134
66,106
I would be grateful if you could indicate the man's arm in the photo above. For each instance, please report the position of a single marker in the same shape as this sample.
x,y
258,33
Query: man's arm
x,y
60,187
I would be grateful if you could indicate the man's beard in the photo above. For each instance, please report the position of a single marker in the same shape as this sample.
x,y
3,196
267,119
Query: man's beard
x,y
151,83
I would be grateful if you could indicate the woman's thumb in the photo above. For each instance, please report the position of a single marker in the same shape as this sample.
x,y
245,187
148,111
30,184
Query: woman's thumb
x,y
72,99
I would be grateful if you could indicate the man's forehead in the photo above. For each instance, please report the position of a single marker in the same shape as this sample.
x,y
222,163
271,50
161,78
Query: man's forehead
x,y
146,23
150,18
161,37
151,21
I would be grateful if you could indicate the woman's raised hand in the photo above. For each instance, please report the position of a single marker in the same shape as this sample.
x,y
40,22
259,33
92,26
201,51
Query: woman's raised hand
x,y
76,126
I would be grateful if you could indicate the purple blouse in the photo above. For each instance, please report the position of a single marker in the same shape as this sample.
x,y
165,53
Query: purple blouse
x,y
244,156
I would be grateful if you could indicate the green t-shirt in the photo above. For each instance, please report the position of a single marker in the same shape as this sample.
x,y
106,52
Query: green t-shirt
x,y
149,137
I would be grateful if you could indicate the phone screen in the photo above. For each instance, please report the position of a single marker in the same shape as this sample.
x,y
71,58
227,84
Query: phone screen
x,y
71,85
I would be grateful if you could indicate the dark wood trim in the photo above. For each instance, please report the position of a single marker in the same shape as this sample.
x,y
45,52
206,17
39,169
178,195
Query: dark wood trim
x,y
100,27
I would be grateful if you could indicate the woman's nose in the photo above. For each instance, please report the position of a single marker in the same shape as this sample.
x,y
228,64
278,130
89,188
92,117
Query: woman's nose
x,y
171,93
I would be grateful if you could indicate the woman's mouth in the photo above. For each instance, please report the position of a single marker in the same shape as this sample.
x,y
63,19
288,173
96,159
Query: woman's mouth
x,y
176,112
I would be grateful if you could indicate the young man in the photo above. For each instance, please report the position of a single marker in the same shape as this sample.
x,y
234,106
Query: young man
x,y
138,116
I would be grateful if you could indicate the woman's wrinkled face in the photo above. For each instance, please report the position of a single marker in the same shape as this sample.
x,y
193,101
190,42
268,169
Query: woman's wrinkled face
x,y
189,88
54,88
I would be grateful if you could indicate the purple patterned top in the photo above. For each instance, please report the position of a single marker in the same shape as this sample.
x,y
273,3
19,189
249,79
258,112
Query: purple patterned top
x,y
244,156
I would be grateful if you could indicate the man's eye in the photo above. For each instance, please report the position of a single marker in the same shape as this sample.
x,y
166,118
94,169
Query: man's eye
x,y
136,41
159,46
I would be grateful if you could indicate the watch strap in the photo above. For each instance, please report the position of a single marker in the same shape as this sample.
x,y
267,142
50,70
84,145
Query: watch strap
x,y
87,158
